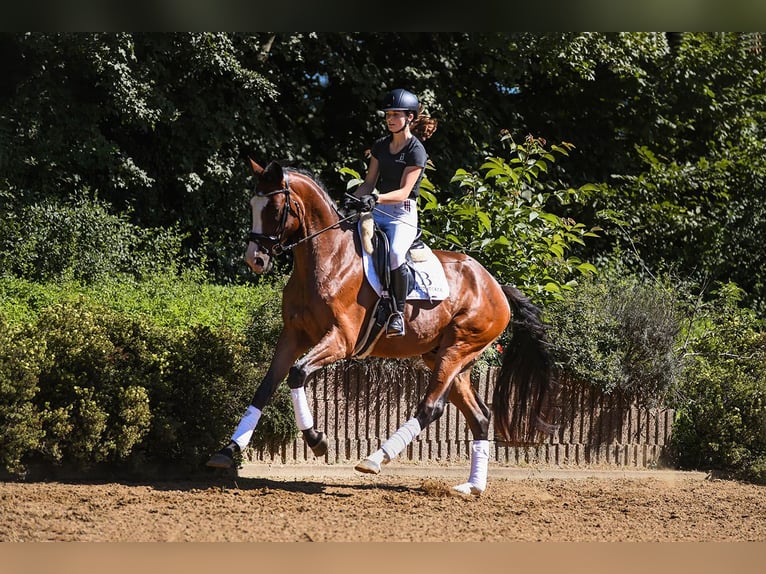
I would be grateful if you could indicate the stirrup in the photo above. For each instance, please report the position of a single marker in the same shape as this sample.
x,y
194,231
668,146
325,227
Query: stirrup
x,y
395,328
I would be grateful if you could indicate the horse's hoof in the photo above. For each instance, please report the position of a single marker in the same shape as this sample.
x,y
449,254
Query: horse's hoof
x,y
321,448
219,460
467,489
368,467
317,443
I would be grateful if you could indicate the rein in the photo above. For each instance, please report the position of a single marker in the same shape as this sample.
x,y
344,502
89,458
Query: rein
x,y
278,249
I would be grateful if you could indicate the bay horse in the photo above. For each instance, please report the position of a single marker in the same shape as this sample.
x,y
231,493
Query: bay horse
x,y
327,301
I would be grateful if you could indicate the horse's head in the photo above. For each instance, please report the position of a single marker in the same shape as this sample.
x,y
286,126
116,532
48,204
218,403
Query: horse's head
x,y
290,208
272,224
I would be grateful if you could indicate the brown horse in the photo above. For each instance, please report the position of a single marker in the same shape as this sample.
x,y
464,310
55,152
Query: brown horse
x,y
327,301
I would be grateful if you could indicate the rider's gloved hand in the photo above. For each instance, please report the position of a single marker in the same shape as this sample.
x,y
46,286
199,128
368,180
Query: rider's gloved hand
x,y
367,202
364,203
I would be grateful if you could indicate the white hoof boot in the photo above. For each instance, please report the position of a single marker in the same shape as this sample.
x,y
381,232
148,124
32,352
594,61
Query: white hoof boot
x,y
368,466
467,488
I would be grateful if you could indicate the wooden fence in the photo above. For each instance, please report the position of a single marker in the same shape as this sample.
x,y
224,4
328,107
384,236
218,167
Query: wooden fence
x,y
359,405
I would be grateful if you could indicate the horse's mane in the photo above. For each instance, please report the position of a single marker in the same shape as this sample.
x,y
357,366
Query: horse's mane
x,y
322,188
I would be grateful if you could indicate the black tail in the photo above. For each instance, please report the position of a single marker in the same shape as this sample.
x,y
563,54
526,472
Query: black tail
x,y
524,402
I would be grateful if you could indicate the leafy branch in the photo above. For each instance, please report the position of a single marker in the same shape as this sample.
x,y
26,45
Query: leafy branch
x,y
505,218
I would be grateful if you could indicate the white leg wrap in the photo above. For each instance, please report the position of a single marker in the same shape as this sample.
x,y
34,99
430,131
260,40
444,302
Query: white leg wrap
x,y
379,457
401,438
246,426
303,417
477,480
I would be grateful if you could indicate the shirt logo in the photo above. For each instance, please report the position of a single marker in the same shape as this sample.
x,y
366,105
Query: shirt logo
x,y
400,159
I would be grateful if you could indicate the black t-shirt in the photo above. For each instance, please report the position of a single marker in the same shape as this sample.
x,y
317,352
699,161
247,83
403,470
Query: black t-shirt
x,y
392,165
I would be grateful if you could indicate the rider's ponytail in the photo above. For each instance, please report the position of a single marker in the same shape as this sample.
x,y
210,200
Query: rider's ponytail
x,y
423,126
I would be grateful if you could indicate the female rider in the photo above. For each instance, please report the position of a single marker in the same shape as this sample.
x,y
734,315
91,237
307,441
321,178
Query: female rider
x,y
396,166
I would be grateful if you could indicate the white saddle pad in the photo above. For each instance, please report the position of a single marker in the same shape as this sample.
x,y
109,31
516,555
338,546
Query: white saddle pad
x,y
430,281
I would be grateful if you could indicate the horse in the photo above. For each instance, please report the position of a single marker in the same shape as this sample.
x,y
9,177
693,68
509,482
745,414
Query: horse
x,y
327,301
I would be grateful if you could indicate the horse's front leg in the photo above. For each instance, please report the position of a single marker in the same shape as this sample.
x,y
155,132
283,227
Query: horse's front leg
x,y
329,350
286,353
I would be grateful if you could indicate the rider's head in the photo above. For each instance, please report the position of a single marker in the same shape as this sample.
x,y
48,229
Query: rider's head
x,y
401,109
406,103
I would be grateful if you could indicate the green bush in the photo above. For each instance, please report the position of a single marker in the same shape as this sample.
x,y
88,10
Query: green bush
x,y
207,382
81,240
20,421
139,376
94,381
516,218
618,332
721,412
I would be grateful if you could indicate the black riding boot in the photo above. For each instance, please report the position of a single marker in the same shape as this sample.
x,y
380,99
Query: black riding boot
x,y
398,289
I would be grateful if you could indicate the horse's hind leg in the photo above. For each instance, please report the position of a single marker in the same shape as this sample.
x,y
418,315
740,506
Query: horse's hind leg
x,y
444,369
477,415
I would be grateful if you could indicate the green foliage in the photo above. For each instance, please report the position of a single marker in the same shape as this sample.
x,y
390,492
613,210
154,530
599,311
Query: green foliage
x,y
164,299
618,332
121,385
699,217
506,219
721,413
93,383
80,240
20,422
158,125
200,397
696,201
276,427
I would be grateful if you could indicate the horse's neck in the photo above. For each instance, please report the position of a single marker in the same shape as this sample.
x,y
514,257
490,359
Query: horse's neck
x,y
327,242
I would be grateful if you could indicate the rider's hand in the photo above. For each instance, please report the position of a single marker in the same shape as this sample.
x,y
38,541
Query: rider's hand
x,y
367,202
363,203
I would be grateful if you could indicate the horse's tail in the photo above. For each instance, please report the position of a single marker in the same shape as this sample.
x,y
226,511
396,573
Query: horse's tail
x,y
524,402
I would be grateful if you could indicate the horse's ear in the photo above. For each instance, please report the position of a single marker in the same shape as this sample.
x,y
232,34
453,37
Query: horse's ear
x,y
273,172
256,168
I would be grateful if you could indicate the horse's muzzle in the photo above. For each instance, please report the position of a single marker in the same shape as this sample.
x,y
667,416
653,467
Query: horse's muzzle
x,y
259,261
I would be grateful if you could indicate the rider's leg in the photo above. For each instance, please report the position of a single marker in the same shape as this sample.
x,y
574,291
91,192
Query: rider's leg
x,y
400,224
399,289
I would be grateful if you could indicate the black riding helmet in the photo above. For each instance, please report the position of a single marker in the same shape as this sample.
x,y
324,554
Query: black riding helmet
x,y
401,100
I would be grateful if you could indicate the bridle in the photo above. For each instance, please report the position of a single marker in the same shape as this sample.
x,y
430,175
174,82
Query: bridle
x,y
278,239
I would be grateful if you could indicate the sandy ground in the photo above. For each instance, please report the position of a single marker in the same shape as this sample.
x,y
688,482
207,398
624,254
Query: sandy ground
x,y
333,504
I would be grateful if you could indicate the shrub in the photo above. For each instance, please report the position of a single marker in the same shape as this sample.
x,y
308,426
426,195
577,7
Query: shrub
x,y
721,411
81,240
122,385
516,218
20,421
93,383
206,385
618,333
